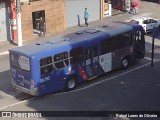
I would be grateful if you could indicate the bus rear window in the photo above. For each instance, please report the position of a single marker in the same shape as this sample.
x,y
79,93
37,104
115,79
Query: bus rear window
x,y
19,61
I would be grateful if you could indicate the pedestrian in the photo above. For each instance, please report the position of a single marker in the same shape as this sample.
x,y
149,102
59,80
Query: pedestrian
x,y
41,26
134,6
86,15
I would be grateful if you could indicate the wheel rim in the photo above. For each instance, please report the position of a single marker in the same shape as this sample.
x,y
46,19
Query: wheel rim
x,y
125,63
71,84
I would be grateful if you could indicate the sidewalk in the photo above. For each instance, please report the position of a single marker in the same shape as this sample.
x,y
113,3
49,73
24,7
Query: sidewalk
x,y
143,8
4,46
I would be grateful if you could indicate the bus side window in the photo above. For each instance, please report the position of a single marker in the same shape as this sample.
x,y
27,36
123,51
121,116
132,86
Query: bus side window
x,y
61,60
46,61
76,55
46,65
105,46
108,45
124,40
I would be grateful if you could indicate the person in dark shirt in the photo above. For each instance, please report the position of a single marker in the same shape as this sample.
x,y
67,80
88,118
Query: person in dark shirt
x,y
41,25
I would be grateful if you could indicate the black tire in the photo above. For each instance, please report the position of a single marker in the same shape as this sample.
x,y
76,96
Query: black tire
x,y
70,84
125,63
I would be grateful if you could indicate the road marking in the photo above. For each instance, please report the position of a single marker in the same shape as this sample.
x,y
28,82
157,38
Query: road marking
x,y
155,61
116,76
15,103
4,94
142,66
4,53
148,58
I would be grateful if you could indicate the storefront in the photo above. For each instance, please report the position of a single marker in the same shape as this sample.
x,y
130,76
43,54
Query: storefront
x,y
52,12
4,21
75,11
123,5
107,8
59,14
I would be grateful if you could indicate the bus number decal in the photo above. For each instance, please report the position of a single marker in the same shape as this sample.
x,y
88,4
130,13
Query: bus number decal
x,y
45,79
22,80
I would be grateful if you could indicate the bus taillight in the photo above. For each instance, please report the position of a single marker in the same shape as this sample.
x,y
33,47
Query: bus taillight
x,y
32,84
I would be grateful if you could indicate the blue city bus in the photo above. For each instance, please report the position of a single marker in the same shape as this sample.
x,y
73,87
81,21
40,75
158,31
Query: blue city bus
x,y
62,63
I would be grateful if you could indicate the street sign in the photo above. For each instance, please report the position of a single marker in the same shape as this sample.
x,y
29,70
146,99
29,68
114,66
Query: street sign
x,y
156,32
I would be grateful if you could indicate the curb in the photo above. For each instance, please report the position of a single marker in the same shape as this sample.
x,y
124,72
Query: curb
x,y
4,53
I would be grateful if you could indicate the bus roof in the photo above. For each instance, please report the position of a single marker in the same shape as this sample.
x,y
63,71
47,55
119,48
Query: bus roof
x,y
133,25
55,45
115,28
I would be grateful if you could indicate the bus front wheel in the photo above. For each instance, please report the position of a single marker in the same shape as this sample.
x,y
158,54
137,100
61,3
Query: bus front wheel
x,y
70,84
125,63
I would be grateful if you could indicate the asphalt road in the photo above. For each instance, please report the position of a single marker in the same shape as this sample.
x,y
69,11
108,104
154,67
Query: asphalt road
x,y
134,89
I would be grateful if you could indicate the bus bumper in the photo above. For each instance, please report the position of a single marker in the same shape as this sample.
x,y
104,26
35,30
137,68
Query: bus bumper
x,y
33,92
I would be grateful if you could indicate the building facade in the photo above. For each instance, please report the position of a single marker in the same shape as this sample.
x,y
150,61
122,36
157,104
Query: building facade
x,y
57,14
52,11
75,11
4,21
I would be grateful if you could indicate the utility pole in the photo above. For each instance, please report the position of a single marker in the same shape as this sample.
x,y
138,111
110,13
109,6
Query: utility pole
x,y
155,34
19,27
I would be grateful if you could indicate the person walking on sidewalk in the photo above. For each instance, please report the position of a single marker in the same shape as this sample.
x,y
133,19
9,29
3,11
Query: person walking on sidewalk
x,y
134,6
41,25
86,15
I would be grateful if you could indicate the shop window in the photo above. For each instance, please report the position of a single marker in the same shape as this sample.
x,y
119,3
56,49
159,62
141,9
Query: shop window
x,y
35,19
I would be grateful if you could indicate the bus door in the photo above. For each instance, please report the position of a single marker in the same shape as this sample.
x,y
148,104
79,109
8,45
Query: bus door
x,y
139,44
92,58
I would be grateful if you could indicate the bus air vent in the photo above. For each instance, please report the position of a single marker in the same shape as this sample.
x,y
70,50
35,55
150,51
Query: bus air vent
x,y
79,32
92,31
55,40
40,43
66,39
105,25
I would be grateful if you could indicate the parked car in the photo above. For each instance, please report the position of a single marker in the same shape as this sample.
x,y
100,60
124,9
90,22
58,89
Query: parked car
x,y
147,23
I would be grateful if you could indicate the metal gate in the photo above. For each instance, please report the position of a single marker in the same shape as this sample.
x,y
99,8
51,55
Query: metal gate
x,y
4,22
75,11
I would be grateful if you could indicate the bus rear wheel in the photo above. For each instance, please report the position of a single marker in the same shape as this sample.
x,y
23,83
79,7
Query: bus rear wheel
x,y
70,84
125,63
